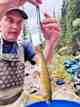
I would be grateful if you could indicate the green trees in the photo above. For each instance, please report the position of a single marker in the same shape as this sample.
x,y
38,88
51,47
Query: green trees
x,y
69,24
64,22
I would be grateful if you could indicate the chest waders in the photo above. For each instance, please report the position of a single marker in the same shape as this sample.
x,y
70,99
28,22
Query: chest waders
x,y
11,72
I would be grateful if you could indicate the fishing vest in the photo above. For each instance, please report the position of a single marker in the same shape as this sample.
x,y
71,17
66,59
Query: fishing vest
x,y
12,69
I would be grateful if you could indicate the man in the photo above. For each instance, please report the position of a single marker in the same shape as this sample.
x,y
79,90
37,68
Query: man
x,y
10,27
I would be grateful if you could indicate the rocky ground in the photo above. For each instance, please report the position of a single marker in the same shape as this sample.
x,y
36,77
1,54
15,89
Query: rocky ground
x,y
32,85
33,93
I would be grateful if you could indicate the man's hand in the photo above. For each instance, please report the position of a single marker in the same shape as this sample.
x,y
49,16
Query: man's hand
x,y
35,2
51,31
50,27
6,4
21,2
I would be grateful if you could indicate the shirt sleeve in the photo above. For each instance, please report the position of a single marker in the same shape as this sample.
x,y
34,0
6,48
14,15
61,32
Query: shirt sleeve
x,y
29,52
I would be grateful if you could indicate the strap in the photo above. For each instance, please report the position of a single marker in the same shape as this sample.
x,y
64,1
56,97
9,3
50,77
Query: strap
x,y
10,100
10,56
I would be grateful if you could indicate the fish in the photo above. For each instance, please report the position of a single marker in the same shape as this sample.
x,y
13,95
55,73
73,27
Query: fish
x,y
44,77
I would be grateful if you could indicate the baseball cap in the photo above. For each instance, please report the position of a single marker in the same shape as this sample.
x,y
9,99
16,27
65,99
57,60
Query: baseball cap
x,y
20,11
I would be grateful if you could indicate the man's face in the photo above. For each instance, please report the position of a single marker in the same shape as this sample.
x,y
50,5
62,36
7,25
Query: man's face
x,y
10,26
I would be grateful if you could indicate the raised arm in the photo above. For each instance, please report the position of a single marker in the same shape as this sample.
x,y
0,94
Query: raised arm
x,y
51,30
6,4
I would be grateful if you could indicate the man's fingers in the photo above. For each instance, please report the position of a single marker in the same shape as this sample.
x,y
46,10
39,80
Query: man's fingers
x,y
39,1
46,15
51,26
49,20
35,2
